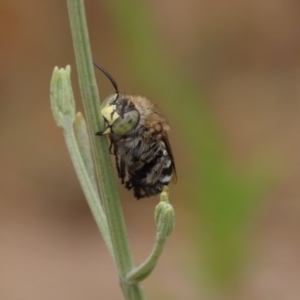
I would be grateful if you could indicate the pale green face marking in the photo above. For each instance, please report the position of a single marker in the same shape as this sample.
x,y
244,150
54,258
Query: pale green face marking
x,y
108,110
110,114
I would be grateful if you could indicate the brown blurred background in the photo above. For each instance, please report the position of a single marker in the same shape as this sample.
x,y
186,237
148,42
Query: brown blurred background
x,y
243,56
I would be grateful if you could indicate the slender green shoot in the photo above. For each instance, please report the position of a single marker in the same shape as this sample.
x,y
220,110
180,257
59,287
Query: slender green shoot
x,y
165,222
104,170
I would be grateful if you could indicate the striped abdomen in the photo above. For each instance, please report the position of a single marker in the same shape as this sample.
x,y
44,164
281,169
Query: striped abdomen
x,y
144,167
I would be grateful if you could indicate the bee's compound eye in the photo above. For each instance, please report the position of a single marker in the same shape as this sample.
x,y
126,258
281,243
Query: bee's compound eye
x,y
110,99
126,124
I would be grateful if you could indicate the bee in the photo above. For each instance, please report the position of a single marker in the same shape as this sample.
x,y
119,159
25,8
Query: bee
x,y
139,141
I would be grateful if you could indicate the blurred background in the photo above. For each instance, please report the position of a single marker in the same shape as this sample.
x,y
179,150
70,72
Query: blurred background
x,y
227,76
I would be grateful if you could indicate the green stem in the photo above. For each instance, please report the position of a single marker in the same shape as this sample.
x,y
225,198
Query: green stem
x,y
165,222
144,269
104,171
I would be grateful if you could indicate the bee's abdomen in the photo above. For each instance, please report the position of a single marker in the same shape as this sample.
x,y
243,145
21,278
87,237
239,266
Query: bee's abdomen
x,y
153,173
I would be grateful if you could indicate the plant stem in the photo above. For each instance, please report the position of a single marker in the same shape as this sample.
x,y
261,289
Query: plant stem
x,y
165,222
104,171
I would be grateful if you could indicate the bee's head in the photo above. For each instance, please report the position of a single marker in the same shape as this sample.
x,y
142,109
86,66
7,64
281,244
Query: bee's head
x,y
118,118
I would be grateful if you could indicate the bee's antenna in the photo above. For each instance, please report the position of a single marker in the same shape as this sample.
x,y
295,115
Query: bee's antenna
x,y
113,82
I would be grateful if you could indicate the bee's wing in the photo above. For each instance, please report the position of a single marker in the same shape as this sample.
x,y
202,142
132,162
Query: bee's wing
x,y
169,150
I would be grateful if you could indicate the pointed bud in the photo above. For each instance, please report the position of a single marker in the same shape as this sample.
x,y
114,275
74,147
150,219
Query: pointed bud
x,y
164,216
62,99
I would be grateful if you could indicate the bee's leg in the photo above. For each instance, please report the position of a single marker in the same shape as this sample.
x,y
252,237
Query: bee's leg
x,y
118,165
128,185
122,170
111,146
